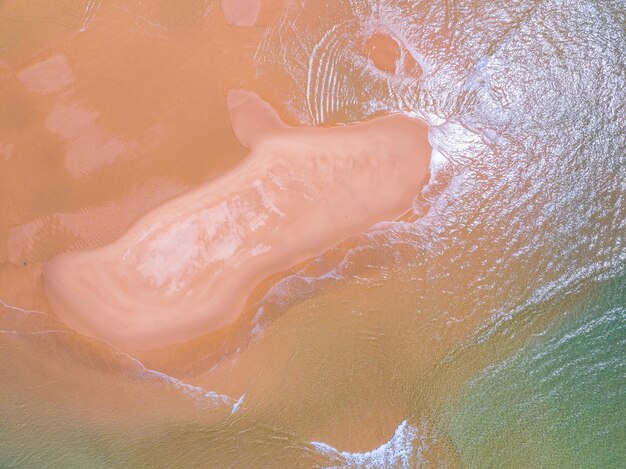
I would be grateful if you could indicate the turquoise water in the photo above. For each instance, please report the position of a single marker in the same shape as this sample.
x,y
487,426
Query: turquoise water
x,y
560,402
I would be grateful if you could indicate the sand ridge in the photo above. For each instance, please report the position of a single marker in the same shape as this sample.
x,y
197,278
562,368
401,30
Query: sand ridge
x,y
187,267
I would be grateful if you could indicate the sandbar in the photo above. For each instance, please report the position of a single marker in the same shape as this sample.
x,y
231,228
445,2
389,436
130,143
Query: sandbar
x,y
187,267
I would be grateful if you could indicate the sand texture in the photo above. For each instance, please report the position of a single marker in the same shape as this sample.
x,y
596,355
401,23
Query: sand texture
x,y
187,267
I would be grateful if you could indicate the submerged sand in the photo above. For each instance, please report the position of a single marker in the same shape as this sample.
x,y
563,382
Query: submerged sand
x,y
187,267
241,12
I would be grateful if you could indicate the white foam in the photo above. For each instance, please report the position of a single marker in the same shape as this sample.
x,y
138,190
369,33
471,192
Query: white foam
x,y
195,392
237,405
437,161
403,450
478,79
455,141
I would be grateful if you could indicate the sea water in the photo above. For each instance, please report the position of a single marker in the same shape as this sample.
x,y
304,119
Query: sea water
x,y
484,328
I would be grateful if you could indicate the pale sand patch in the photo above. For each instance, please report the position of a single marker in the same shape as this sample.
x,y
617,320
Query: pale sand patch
x,y
187,267
241,12
6,150
47,76
87,146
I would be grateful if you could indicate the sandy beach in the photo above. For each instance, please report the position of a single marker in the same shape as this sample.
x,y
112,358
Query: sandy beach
x,y
187,267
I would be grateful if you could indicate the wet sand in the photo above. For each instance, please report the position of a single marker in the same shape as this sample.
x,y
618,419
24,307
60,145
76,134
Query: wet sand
x,y
187,268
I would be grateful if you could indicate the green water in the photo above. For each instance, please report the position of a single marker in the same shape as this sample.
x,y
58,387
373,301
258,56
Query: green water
x,y
560,402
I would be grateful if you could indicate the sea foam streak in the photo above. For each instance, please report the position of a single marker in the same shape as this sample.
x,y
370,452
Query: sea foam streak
x,y
403,450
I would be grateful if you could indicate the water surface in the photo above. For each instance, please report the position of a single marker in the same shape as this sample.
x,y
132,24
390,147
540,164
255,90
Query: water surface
x,y
483,328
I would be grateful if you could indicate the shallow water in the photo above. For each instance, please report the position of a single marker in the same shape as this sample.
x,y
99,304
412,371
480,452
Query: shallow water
x,y
558,401
484,328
